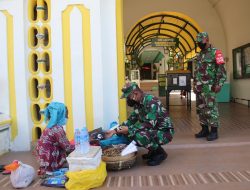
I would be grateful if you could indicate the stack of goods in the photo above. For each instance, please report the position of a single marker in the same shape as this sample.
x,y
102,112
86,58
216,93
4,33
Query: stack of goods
x,y
115,160
90,160
86,170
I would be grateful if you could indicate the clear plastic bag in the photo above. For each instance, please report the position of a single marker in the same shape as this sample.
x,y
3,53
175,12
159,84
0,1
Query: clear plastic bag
x,y
22,176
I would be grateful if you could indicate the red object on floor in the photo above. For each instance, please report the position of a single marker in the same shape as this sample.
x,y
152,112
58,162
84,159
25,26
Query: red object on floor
x,y
13,166
6,172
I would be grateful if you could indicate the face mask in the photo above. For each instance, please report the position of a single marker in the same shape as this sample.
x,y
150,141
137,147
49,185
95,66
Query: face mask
x,y
202,45
130,102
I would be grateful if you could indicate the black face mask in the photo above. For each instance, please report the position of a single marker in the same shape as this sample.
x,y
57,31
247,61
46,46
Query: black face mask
x,y
202,45
131,102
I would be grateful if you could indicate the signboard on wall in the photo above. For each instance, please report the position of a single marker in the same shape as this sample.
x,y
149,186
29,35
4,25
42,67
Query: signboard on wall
x,y
165,42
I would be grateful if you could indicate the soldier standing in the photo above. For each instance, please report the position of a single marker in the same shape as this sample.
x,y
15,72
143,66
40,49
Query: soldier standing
x,y
209,77
149,125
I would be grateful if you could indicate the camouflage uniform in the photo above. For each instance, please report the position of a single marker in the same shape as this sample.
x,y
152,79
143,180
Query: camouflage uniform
x,y
209,72
149,124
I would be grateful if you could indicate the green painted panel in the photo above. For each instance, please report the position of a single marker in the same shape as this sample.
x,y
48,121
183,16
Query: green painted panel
x,y
224,94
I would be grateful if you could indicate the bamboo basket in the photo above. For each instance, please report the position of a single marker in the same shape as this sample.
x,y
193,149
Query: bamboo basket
x,y
114,160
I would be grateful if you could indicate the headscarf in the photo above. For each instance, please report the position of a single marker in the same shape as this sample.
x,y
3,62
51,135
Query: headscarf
x,y
56,113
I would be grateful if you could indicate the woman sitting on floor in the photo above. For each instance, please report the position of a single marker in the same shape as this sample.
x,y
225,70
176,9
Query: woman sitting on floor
x,y
53,145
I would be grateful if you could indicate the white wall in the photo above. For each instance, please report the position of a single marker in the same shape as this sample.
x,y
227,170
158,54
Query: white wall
x,y
109,61
76,58
199,10
4,81
104,64
235,18
105,100
16,9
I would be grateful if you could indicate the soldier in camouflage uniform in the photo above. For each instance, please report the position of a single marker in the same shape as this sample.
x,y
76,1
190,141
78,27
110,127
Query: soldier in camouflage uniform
x,y
209,76
149,124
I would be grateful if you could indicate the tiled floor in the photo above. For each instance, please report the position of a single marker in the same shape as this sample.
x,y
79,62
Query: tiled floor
x,y
191,163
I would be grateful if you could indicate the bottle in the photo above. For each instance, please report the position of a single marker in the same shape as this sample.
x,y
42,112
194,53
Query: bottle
x,y
77,140
84,141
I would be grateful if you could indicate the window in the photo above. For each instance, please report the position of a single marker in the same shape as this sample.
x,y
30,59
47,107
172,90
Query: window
x,y
241,62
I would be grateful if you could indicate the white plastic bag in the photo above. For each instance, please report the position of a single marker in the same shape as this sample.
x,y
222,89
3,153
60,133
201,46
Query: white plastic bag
x,y
129,149
22,176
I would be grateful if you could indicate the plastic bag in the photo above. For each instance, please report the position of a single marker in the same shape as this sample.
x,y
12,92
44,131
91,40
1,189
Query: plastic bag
x,y
86,179
21,174
114,140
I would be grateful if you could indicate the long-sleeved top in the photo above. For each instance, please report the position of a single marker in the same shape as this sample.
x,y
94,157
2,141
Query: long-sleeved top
x,y
149,114
209,70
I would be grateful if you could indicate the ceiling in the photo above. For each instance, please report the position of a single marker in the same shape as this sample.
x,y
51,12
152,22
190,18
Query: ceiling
x,y
151,56
163,25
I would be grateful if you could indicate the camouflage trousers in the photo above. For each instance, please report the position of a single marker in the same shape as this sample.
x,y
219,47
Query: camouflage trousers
x,y
150,138
207,109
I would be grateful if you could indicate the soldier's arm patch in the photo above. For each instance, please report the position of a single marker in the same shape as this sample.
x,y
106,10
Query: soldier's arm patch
x,y
219,57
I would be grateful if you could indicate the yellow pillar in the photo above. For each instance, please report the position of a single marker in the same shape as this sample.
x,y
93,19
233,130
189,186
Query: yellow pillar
x,y
120,59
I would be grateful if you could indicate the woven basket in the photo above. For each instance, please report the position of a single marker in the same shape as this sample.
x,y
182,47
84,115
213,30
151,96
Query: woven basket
x,y
114,160
120,165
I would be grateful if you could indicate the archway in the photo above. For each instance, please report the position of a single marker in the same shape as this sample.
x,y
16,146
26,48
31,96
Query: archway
x,y
160,34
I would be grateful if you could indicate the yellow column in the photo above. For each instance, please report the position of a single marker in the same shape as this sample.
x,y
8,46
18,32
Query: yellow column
x,y
120,59
67,69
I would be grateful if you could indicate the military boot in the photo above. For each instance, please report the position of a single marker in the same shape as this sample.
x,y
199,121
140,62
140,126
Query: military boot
x,y
148,155
213,134
158,156
203,133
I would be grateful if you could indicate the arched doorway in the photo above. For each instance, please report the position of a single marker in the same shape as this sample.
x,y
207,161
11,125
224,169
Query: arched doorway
x,y
161,41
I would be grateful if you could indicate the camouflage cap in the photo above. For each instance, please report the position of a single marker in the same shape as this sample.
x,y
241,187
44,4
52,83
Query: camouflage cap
x,y
128,88
201,36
